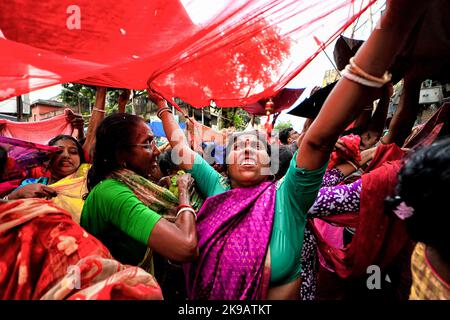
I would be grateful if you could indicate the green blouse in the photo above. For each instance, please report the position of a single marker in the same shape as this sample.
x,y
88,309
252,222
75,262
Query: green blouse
x,y
296,192
114,215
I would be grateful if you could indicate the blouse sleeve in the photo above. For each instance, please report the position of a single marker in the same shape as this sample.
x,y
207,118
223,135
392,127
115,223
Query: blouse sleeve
x,y
337,199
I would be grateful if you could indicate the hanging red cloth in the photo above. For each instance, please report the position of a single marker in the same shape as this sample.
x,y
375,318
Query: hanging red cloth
x,y
379,237
37,132
233,52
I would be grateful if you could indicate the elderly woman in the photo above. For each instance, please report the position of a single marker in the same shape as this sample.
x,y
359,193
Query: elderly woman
x,y
123,209
250,224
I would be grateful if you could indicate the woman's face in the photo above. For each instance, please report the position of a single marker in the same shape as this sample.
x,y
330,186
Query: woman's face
x,y
247,161
143,153
66,161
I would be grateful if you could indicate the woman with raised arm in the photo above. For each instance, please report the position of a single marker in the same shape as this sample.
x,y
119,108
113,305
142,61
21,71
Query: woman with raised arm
x,y
251,230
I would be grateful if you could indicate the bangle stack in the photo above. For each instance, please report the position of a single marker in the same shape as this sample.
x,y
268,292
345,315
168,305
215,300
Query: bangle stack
x,y
186,208
354,73
162,110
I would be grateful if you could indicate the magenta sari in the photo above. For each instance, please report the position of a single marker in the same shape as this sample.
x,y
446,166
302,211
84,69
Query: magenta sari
x,y
234,230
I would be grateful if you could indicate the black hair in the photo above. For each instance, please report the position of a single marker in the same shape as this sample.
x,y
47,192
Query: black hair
x,y
113,136
165,163
3,160
285,154
53,141
284,135
424,185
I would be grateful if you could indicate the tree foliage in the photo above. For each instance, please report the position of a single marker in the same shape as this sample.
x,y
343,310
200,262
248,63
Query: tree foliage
x,y
283,125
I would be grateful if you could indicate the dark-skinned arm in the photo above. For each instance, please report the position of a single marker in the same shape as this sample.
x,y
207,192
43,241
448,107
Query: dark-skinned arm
x,y
175,135
348,98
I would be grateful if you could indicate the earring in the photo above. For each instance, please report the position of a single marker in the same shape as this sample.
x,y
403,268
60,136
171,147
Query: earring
x,y
124,165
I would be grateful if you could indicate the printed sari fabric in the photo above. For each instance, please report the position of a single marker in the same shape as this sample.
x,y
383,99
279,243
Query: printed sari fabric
x,y
234,231
25,155
427,284
161,200
44,254
157,198
70,192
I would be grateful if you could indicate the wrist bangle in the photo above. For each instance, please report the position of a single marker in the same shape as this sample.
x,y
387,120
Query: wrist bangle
x,y
353,165
99,110
162,110
381,80
348,74
181,206
187,210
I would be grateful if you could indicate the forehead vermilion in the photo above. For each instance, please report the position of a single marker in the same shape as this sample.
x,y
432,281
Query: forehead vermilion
x,y
249,137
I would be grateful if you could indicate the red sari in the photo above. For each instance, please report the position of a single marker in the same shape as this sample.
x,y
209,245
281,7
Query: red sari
x,y
44,254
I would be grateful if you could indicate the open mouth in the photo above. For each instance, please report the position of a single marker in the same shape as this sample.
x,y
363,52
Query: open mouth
x,y
248,162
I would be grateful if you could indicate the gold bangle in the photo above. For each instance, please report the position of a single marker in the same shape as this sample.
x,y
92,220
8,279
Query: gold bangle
x,y
354,68
99,110
350,75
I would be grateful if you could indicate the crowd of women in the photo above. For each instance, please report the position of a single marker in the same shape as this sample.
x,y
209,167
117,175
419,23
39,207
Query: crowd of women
x,y
103,220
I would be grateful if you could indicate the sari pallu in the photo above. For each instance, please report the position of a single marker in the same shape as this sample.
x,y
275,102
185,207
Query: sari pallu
x,y
234,230
379,237
44,254
157,198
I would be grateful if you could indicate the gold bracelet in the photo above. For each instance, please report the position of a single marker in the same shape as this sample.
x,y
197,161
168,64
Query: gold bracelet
x,y
350,75
354,68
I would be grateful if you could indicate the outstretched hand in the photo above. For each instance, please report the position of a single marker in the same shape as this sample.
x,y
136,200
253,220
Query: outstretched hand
x,y
185,181
124,97
76,120
33,190
156,98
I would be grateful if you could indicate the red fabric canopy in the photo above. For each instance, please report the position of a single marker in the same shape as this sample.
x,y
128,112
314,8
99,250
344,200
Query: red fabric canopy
x,y
233,52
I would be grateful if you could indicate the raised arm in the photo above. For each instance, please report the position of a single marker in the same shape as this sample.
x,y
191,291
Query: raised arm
x,y
175,135
98,113
346,100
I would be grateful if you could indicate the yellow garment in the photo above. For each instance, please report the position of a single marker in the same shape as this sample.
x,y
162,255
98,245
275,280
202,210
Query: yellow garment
x,y
71,190
427,285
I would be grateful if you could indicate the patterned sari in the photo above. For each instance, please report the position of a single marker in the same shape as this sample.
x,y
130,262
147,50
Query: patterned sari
x,y
234,230
44,254
427,283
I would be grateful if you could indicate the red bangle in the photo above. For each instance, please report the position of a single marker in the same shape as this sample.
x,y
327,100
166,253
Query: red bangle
x,y
181,206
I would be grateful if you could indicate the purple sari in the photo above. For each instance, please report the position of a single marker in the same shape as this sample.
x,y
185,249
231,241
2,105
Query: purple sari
x,y
234,230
